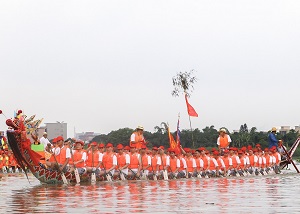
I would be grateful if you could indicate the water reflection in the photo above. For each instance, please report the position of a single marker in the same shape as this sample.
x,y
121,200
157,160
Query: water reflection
x,y
224,195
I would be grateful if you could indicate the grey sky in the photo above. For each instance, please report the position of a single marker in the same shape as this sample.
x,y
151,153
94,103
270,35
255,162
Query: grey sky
x,y
104,65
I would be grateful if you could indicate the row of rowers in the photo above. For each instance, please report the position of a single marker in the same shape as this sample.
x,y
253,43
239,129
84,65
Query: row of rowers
x,y
128,160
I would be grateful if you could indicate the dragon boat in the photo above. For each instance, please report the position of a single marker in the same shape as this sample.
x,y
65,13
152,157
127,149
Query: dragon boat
x,y
27,158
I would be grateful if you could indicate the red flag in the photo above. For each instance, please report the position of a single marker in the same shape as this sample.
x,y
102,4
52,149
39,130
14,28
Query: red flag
x,y
191,110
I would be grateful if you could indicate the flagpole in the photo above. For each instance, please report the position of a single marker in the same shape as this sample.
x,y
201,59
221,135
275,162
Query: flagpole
x,y
193,143
192,132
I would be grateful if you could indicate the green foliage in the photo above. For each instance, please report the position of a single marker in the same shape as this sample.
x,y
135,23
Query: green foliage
x,y
183,82
119,136
206,137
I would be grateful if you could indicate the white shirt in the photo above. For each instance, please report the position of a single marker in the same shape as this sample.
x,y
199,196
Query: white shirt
x,y
177,162
84,157
247,160
132,137
149,160
101,156
222,162
44,141
194,163
115,162
158,160
238,159
215,162
56,151
184,163
127,158
201,163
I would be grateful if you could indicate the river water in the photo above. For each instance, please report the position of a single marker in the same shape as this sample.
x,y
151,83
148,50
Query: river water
x,y
264,194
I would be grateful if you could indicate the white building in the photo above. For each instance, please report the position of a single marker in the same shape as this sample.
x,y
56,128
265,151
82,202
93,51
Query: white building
x,y
56,129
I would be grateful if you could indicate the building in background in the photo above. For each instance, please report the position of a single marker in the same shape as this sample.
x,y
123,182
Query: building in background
x,y
284,130
86,136
297,129
56,129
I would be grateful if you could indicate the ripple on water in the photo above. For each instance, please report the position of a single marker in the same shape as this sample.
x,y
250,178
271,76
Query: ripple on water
x,y
270,194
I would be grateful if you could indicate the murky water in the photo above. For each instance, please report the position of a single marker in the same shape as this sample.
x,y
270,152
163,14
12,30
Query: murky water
x,y
270,194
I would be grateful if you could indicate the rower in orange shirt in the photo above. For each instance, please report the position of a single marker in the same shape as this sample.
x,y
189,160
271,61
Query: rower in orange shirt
x,y
109,161
133,167
79,157
162,161
242,168
2,161
227,162
154,158
173,164
123,160
62,154
92,162
277,159
145,162
235,160
252,160
206,160
199,163
213,165
191,163
12,162
183,166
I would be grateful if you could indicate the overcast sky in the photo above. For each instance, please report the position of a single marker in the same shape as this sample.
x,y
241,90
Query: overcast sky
x,y
105,65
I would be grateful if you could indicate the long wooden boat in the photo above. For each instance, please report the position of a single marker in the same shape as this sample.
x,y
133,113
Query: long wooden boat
x,y
29,159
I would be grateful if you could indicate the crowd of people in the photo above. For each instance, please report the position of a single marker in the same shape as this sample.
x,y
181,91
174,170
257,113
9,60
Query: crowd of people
x,y
8,163
138,161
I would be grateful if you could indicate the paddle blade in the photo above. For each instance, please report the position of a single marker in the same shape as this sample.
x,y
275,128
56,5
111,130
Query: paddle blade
x,y
122,177
77,176
64,178
108,177
165,173
93,177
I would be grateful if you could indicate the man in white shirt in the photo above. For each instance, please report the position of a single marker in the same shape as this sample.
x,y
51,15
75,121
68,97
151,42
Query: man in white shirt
x,y
44,140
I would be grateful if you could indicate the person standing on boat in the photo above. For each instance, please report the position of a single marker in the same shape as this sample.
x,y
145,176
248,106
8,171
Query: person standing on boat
x,y
44,140
223,140
272,140
137,138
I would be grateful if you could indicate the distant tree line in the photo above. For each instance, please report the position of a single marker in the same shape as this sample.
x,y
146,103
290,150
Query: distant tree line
x,y
206,137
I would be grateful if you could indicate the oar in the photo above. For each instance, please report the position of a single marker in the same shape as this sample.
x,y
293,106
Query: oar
x,y
134,174
75,168
143,177
108,177
93,176
165,173
154,175
61,172
121,174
